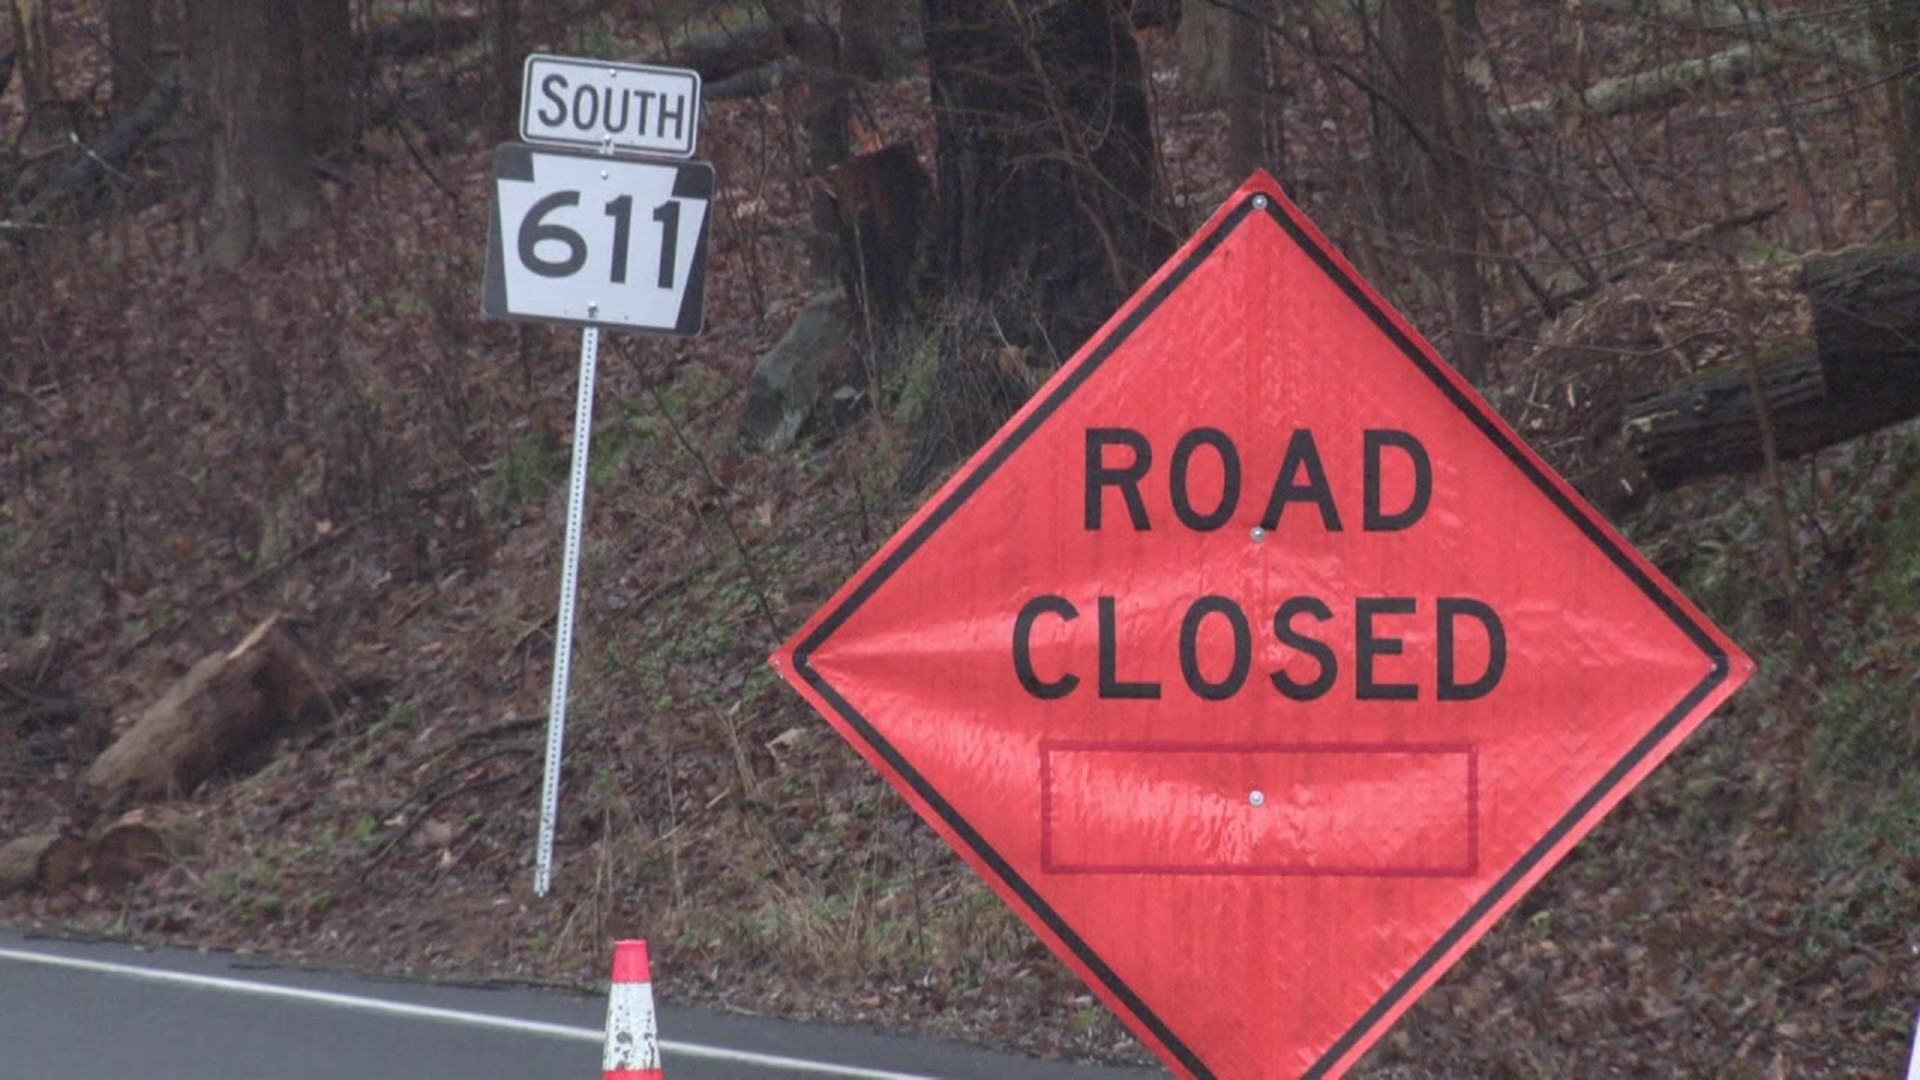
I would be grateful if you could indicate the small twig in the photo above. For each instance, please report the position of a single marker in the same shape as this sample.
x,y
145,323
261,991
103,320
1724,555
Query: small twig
x,y
313,547
491,731
426,812
31,705
419,159
73,137
1661,249
426,596
520,640
310,549
681,825
739,543
449,773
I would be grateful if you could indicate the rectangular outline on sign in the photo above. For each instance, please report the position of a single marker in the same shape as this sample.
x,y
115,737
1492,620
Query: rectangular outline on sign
x,y
526,103
1471,804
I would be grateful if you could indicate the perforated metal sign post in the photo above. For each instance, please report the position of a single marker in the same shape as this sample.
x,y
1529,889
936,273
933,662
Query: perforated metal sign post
x,y
1256,662
595,240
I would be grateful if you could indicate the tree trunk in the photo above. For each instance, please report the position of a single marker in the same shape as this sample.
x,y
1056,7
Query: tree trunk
x,y
1866,317
228,703
326,59
248,56
1465,128
868,38
1898,27
1049,204
131,52
33,59
1426,139
1406,112
881,202
503,52
826,121
1709,427
723,54
1824,39
1650,89
128,134
1250,92
1206,38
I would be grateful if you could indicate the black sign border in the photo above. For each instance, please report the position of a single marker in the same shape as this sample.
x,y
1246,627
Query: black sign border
x,y
983,468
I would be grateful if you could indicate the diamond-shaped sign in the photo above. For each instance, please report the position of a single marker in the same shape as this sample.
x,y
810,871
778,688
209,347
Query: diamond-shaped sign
x,y
1256,662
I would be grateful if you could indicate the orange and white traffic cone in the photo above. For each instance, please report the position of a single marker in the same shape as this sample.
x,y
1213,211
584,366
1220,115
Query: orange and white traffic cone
x,y
633,1040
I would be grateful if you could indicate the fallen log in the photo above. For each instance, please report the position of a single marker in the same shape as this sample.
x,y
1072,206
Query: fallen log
x,y
763,57
724,53
1648,89
224,707
1862,374
1709,427
48,862
94,163
1818,38
762,80
421,35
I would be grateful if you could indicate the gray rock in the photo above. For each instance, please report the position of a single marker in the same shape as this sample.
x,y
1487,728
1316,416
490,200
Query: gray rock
x,y
785,384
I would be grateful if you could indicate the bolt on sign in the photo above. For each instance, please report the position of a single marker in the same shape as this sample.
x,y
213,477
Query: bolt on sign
x,y
1256,662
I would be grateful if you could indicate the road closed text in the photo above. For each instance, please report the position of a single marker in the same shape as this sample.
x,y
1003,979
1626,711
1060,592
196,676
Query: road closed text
x,y
1386,647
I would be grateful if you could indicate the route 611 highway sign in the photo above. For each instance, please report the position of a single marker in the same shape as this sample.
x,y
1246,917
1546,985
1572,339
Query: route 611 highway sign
x,y
592,240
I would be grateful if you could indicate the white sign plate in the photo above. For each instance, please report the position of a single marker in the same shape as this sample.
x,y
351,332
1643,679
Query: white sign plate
x,y
598,241
631,108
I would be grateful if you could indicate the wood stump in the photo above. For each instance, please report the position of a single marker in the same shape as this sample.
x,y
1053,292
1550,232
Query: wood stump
x,y
1866,317
883,206
140,842
48,862
1861,374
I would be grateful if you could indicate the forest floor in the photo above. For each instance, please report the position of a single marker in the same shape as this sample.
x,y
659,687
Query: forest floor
x,y
333,435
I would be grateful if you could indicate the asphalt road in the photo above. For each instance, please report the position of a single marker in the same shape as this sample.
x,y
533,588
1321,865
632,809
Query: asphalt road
x,y
81,1011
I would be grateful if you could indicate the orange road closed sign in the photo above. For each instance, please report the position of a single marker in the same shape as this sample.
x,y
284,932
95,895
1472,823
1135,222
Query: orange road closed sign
x,y
1256,662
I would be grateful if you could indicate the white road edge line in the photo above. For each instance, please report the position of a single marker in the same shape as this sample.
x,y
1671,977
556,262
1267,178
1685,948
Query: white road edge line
x,y
450,1016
